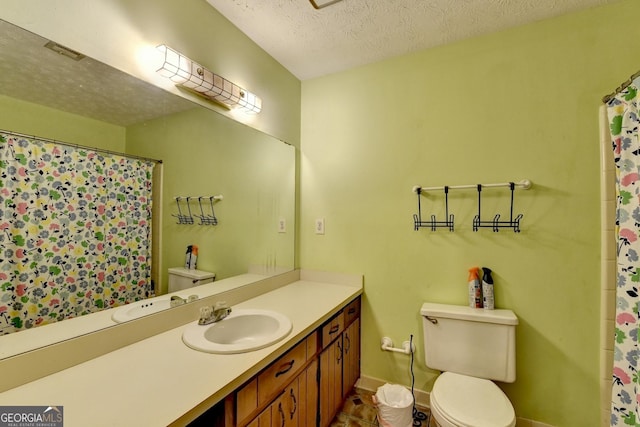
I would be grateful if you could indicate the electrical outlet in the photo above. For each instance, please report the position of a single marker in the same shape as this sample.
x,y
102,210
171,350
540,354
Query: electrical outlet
x,y
282,225
319,227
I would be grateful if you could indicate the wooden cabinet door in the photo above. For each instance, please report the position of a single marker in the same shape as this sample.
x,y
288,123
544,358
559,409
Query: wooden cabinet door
x,y
308,393
262,420
296,406
351,366
331,360
285,409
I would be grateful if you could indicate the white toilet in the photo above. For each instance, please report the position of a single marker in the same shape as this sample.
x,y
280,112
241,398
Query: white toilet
x,y
472,347
182,278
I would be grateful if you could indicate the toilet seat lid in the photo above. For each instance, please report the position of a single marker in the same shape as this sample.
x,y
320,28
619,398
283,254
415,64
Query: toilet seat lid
x,y
471,402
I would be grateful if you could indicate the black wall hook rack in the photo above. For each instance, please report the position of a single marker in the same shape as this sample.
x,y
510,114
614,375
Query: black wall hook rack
x,y
496,224
433,223
183,218
206,219
187,218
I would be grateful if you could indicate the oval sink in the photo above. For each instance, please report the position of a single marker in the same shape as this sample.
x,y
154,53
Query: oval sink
x,y
242,331
140,308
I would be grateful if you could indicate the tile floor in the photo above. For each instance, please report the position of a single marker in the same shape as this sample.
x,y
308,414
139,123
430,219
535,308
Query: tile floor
x,y
359,411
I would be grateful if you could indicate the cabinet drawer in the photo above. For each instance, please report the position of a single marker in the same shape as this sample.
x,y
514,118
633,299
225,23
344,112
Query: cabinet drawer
x,y
284,369
352,312
332,329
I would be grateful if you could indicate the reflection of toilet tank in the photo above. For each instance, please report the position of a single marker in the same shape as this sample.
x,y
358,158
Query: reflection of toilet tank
x,y
470,341
183,278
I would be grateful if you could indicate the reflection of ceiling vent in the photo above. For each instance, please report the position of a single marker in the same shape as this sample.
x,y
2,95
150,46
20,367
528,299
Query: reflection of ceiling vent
x,y
62,50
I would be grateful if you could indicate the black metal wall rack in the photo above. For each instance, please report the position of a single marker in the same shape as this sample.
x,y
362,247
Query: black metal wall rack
x,y
495,224
186,216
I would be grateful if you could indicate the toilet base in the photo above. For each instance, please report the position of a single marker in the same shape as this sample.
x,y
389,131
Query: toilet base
x,y
459,400
438,420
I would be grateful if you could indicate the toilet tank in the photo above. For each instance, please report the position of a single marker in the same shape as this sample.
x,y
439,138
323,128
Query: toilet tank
x,y
470,341
182,278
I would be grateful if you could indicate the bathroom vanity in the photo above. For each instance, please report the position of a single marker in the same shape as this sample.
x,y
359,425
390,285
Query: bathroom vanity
x,y
303,387
159,381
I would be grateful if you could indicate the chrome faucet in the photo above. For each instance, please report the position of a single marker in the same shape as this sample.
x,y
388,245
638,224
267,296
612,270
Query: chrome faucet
x,y
214,314
176,300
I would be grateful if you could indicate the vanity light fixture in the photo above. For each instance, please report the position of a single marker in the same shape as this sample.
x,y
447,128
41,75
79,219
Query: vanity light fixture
x,y
193,76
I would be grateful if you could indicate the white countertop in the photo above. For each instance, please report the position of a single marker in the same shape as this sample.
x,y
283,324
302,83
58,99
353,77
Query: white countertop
x,y
34,338
157,380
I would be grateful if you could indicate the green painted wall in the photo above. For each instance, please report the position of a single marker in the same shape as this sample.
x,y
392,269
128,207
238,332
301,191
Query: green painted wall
x,y
522,103
207,154
33,119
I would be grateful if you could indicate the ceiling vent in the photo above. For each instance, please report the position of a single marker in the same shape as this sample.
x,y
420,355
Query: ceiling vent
x,y
319,4
62,50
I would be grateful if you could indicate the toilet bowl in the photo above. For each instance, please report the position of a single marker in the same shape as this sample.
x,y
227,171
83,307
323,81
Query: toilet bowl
x,y
471,347
464,401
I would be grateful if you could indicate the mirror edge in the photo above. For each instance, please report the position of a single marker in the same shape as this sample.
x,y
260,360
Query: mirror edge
x,y
56,357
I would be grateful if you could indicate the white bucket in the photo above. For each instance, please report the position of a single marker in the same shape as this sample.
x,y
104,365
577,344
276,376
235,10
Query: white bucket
x,y
395,406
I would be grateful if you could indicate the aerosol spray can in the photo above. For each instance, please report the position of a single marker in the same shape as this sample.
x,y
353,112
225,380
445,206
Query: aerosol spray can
x,y
475,288
187,257
194,257
487,289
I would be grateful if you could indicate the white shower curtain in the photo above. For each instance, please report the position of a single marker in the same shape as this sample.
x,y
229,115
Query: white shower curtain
x,y
624,122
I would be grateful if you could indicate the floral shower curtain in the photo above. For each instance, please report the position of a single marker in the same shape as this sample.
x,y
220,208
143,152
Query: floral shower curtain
x,y
75,231
624,122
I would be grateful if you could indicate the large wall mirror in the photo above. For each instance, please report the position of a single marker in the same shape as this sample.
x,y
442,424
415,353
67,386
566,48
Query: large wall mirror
x,y
44,93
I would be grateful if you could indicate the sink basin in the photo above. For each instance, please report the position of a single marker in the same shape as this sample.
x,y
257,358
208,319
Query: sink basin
x,y
140,308
242,331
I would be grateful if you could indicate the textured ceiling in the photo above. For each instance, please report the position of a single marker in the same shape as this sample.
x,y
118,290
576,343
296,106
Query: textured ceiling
x,y
89,88
312,43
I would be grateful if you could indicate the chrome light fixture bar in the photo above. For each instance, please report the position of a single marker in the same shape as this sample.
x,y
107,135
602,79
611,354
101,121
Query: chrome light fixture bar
x,y
193,76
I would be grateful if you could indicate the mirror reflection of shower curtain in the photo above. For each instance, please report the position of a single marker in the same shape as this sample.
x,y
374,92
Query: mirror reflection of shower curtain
x,y
624,120
75,231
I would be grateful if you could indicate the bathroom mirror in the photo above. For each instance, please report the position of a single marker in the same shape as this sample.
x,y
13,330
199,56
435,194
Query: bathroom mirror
x,y
204,154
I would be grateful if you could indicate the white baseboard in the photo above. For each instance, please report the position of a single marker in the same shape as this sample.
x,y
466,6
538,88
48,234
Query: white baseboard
x,y
422,399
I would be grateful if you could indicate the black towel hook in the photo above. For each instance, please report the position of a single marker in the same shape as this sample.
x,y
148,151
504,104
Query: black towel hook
x,y
433,223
